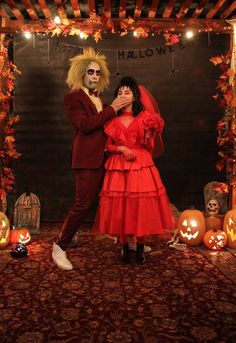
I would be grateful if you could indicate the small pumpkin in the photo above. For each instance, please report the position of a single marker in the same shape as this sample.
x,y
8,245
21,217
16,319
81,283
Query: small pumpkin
x,y
4,230
19,235
215,239
191,227
213,222
229,227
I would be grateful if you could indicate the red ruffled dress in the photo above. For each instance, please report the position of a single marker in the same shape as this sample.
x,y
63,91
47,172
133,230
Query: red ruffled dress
x,y
133,200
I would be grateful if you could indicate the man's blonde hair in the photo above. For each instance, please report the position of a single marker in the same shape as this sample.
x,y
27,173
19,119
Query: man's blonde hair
x,y
79,65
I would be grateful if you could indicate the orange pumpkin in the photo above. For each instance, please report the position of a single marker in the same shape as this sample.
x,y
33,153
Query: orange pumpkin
x,y
229,227
4,230
191,227
19,235
215,239
213,222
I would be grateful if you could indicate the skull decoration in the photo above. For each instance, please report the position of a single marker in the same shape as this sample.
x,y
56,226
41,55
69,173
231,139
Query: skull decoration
x,y
191,227
212,207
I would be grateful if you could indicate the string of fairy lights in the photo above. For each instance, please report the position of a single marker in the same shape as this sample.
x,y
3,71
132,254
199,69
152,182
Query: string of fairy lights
x,y
28,35
189,34
183,36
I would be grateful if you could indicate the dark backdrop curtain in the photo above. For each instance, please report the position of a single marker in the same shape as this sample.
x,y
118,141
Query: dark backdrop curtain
x,y
181,79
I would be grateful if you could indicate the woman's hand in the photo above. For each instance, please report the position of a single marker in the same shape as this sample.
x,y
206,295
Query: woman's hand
x,y
128,153
148,135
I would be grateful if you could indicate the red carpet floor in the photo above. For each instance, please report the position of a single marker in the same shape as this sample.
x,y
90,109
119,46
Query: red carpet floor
x,y
177,296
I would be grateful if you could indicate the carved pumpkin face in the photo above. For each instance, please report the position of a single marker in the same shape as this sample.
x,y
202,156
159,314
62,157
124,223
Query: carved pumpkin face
x,y
4,230
19,235
191,227
230,228
215,239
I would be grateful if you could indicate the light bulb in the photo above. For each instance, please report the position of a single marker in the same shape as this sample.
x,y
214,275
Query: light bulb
x,y
27,34
57,20
82,35
189,34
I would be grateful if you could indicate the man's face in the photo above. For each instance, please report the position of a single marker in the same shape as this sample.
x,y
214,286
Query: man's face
x,y
92,76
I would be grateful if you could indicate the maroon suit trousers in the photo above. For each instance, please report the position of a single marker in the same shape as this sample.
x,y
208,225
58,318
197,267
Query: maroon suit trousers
x,y
87,184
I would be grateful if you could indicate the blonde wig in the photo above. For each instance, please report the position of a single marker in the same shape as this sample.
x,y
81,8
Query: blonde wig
x,y
79,65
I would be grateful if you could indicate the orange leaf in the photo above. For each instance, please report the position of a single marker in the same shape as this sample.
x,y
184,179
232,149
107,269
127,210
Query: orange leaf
x,y
216,60
9,139
233,102
97,36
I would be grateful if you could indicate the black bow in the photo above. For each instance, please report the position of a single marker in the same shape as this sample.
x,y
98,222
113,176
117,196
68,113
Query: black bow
x,y
93,92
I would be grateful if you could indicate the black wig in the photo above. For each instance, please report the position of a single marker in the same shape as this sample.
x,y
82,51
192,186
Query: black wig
x,y
131,83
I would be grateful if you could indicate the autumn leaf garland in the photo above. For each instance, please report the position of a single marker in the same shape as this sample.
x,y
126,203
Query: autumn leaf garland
x,y
8,150
226,101
96,25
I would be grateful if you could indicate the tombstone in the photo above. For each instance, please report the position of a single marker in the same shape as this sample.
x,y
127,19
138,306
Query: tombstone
x,y
27,212
211,193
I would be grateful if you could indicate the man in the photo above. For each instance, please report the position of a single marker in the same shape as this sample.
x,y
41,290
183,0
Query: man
x,y
87,77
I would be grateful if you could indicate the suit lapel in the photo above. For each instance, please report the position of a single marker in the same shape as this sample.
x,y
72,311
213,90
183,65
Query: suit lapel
x,y
88,101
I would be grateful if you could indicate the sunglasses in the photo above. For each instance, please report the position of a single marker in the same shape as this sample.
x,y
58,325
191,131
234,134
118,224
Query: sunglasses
x,y
92,71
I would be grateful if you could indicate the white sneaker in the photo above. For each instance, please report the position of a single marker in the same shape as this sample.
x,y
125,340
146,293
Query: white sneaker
x,y
60,259
133,247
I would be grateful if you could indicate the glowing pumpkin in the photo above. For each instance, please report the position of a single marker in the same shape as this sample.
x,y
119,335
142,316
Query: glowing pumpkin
x,y
191,227
19,235
213,222
229,227
215,239
4,230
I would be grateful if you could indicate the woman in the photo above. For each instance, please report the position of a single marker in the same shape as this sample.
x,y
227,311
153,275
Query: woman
x,y
133,200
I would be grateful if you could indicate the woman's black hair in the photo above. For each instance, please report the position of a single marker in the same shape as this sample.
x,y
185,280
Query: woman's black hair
x,y
130,82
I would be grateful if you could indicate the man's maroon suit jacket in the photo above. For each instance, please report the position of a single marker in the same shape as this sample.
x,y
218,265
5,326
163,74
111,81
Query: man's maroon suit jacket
x,y
89,137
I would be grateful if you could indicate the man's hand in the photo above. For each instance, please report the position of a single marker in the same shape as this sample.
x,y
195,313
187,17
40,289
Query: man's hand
x,y
120,102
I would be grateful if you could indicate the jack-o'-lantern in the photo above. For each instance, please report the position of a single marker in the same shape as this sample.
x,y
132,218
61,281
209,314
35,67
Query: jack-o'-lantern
x,y
229,227
191,227
4,230
213,222
19,235
215,239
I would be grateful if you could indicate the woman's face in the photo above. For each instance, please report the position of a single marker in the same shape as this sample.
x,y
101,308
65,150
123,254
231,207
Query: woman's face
x,y
127,93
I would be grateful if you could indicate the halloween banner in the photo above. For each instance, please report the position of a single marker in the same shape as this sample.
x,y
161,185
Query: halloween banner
x,y
132,53
149,52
